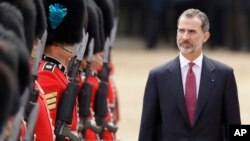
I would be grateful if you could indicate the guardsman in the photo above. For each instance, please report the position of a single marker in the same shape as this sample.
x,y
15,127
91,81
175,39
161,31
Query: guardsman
x,y
112,90
9,93
44,120
110,15
110,20
14,48
28,12
92,62
13,20
65,30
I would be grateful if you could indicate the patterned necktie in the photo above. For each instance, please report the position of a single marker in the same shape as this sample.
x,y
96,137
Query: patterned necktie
x,y
190,94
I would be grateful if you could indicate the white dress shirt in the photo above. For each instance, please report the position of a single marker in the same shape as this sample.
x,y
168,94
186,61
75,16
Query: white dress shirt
x,y
196,69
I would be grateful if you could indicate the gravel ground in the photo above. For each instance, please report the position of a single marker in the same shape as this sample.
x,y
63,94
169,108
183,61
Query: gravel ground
x,y
132,64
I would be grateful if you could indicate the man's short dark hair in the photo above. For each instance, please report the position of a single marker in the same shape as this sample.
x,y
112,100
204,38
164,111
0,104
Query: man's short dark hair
x,y
191,13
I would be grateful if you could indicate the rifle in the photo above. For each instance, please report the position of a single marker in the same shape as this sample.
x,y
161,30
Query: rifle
x,y
67,102
31,123
28,101
85,97
113,32
112,39
19,116
31,110
101,107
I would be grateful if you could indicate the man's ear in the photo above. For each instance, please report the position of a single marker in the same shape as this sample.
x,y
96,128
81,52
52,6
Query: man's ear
x,y
206,36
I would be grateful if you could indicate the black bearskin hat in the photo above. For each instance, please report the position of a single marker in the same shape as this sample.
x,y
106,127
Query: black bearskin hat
x,y
116,8
65,20
9,53
107,7
95,26
8,92
18,57
11,18
27,8
41,20
14,70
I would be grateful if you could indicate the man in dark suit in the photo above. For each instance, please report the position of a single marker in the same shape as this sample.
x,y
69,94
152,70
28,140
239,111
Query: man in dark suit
x,y
191,98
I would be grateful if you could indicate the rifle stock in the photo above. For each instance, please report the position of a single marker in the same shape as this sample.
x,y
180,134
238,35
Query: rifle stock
x,y
65,110
101,108
67,102
84,100
84,111
31,122
101,100
64,131
101,105
19,115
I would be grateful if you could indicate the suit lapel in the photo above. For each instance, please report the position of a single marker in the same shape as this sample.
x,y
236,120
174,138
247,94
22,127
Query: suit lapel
x,y
174,81
206,84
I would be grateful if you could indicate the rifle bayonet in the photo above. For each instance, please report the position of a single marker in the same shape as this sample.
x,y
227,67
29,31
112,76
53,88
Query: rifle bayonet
x,y
82,47
91,50
106,51
113,32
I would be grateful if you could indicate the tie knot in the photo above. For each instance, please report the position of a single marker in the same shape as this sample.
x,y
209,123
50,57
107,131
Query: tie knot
x,y
191,64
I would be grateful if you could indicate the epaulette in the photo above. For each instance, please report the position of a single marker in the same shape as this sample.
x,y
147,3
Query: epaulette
x,y
49,66
52,63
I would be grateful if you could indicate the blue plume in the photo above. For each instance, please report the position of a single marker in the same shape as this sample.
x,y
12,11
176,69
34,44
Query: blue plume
x,y
56,14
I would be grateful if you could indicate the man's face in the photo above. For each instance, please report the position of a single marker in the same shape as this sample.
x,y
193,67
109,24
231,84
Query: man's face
x,y
190,36
66,53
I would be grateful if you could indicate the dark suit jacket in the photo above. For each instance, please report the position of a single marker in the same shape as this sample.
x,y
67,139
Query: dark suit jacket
x,y
164,115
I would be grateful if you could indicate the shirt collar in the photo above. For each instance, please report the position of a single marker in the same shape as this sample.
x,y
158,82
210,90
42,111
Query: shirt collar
x,y
184,61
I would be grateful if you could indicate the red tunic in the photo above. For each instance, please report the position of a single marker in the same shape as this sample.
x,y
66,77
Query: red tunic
x,y
44,130
53,80
94,80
